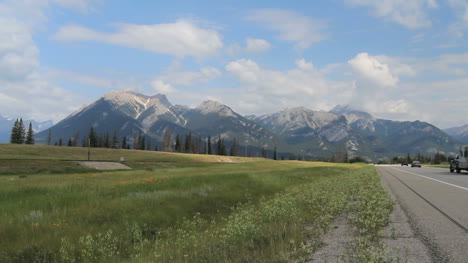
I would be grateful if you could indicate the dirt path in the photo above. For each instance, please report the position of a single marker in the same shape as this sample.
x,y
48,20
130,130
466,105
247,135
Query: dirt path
x,y
105,165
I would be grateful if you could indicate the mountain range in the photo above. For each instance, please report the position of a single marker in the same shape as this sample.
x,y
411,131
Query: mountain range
x,y
459,133
313,134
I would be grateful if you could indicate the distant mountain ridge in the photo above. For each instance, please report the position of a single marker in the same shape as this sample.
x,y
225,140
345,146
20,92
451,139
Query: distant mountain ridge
x,y
299,130
460,133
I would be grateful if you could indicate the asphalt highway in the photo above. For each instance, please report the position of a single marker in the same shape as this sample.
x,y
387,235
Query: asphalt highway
x,y
436,201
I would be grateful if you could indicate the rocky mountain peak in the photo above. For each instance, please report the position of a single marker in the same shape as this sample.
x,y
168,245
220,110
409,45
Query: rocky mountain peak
x,y
359,119
211,106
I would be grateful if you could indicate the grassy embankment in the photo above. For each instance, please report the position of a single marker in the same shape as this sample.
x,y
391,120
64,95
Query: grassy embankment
x,y
179,207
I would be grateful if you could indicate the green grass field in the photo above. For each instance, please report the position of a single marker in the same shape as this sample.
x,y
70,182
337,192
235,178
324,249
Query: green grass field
x,y
178,207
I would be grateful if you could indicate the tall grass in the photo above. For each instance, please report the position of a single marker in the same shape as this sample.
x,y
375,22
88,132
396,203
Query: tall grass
x,y
247,212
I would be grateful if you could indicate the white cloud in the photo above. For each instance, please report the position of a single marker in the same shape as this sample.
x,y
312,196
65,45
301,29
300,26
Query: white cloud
x,y
162,87
291,25
376,85
372,72
23,91
182,38
263,91
256,45
409,13
187,78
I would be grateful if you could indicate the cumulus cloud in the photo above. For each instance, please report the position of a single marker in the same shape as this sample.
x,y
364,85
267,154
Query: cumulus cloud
x,y
262,90
409,13
162,87
184,78
291,26
376,84
20,82
256,45
182,38
372,71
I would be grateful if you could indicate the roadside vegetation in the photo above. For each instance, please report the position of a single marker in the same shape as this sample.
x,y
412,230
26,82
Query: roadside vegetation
x,y
181,207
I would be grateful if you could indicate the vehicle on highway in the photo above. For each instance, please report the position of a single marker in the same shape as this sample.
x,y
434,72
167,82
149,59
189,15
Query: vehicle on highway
x,y
461,160
404,163
416,164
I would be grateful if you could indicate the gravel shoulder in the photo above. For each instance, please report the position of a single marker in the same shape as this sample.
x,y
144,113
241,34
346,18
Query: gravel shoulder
x,y
446,241
402,242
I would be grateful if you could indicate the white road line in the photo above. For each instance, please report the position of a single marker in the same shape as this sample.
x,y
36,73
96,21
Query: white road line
x,y
431,179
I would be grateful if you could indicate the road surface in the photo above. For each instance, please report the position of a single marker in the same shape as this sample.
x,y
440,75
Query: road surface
x,y
436,201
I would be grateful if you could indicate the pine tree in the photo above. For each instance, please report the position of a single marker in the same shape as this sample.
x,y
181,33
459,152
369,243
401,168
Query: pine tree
x,y
14,132
115,141
60,142
188,143
30,136
21,132
234,147
177,144
124,142
275,156
93,140
209,145
70,142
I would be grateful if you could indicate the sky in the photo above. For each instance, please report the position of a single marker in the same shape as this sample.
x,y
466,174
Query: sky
x,y
396,59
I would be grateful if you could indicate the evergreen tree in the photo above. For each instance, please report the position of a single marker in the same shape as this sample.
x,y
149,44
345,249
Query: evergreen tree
x,y
115,141
93,140
156,148
22,132
177,144
220,147
209,145
275,156
234,147
70,142
124,142
14,132
188,143
60,142
30,136
142,142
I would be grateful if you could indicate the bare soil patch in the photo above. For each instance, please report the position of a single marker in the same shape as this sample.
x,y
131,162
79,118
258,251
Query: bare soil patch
x,y
105,165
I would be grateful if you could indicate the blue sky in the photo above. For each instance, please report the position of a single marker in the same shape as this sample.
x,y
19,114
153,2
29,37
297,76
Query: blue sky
x,y
400,60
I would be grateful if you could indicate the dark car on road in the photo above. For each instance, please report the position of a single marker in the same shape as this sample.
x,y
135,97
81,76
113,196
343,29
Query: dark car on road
x,y
404,163
416,164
